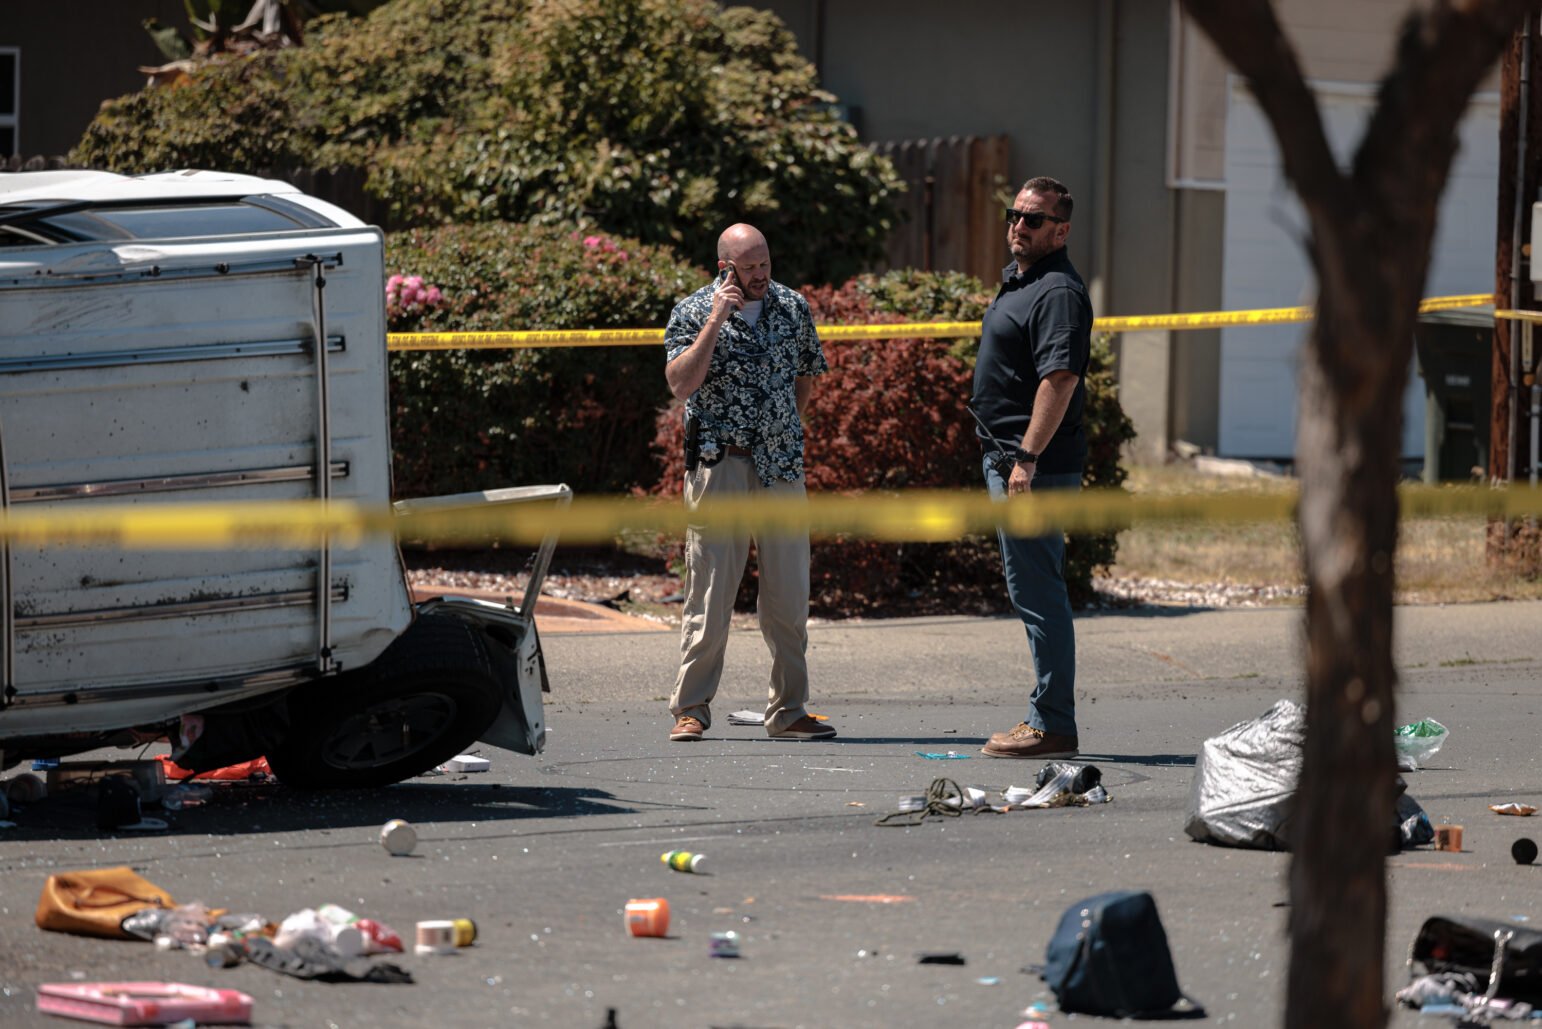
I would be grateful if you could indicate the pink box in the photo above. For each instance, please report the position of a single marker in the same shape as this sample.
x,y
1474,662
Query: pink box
x,y
146,1003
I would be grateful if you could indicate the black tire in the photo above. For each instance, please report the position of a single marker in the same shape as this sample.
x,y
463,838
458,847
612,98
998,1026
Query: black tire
x,y
424,700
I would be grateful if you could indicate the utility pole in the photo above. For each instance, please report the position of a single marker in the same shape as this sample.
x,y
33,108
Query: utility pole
x,y
1520,173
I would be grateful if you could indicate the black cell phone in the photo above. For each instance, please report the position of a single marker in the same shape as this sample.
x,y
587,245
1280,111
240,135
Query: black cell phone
x,y
733,280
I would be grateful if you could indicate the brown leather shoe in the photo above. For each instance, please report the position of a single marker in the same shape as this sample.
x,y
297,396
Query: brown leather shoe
x,y
805,728
1020,731
687,729
1027,742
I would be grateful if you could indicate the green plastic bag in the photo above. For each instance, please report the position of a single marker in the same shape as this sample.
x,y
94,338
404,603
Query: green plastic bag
x,y
1417,742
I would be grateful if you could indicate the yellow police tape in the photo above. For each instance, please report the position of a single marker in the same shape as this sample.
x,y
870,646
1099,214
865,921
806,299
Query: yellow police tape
x,y
921,516
893,330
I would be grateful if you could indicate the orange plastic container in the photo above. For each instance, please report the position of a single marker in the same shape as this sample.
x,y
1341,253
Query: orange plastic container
x,y
648,917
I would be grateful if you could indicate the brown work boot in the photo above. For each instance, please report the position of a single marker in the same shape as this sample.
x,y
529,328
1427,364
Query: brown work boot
x,y
687,729
1022,730
805,728
1027,742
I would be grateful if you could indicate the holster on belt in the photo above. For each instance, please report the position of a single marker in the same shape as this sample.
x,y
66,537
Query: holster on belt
x,y
692,443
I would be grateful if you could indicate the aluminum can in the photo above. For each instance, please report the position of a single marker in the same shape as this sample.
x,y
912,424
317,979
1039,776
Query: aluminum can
x,y
724,945
435,937
398,838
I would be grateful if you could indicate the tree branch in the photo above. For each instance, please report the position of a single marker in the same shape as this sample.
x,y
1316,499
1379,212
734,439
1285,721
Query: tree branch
x,y
1249,36
1442,55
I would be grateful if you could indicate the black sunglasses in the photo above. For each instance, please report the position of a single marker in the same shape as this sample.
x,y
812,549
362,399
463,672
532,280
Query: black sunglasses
x,y
1035,219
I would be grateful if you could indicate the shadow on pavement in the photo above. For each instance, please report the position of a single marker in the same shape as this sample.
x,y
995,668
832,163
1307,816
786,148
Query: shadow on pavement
x,y
1137,759
238,809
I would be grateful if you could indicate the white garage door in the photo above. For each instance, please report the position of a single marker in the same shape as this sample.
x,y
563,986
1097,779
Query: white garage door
x,y
1265,265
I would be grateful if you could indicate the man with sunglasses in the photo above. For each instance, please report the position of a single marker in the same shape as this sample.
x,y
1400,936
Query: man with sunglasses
x,y
742,353
1035,342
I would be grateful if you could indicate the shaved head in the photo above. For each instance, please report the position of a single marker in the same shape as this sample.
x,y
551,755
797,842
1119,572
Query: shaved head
x,y
736,239
743,249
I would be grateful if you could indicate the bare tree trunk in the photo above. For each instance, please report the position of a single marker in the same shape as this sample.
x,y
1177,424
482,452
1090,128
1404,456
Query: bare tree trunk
x,y
1347,462
1371,230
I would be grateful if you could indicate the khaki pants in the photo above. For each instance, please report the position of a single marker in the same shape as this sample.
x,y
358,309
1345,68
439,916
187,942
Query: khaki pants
x,y
714,564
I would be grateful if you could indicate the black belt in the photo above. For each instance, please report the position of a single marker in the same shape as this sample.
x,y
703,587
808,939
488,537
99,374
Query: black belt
x,y
732,451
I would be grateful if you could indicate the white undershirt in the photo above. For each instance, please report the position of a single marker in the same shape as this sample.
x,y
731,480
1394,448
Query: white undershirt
x,y
750,312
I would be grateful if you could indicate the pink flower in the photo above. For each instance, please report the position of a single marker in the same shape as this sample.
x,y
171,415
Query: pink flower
x,y
592,241
393,283
432,296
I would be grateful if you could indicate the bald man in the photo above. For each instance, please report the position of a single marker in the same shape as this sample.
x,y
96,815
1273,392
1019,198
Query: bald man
x,y
742,353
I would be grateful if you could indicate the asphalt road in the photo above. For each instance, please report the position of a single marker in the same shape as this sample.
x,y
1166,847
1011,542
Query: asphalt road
x,y
833,911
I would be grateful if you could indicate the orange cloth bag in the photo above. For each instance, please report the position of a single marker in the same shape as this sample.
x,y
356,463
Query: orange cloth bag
x,y
96,901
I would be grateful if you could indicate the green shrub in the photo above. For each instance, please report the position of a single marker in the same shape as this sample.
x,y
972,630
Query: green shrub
x,y
479,419
660,120
859,438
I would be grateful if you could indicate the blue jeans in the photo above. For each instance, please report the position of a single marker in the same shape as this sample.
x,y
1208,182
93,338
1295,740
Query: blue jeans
x,y
1035,573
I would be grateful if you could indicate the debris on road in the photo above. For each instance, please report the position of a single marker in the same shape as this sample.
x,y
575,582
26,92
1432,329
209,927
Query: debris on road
x,y
1478,969
1522,810
398,838
144,1003
1524,851
1061,784
253,771
117,903
1417,742
1244,779
683,861
1448,837
944,797
1109,956
466,763
435,938
648,917
25,789
117,808
723,945
940,959
746,718
96,901
932,755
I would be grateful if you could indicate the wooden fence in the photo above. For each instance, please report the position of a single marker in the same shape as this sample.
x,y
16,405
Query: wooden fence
x,y
950,217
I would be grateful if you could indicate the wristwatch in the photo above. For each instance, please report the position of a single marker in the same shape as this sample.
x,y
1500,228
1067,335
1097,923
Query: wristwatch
x,y
1021,456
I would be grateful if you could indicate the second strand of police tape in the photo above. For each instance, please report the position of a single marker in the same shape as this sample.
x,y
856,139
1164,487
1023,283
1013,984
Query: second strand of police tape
x,y
913,516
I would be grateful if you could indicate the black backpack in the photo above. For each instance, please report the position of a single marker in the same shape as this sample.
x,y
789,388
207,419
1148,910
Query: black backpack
x,y
1109,956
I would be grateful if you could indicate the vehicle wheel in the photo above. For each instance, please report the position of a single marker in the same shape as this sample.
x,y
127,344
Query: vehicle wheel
x,y
424,700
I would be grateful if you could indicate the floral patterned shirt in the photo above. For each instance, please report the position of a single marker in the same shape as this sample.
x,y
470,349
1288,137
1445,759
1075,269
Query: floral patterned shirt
x,y
749,398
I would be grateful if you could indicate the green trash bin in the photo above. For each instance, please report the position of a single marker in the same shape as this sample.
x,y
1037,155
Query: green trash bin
x,y
1455,351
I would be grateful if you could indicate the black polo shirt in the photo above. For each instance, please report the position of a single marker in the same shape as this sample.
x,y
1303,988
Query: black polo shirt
x,y
1040,322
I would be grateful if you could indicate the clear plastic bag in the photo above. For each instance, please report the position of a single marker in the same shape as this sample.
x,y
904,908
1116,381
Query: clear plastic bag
x,y
1062,785
1419,741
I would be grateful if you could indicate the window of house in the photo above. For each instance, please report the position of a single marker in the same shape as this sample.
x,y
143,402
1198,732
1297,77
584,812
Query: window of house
x,y
10,100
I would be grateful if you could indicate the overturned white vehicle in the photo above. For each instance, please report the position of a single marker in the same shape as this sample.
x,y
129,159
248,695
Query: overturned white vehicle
x,y
214,338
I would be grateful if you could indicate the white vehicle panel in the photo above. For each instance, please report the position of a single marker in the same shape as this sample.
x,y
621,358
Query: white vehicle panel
x,y
139,373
